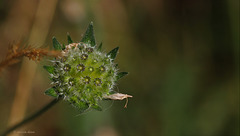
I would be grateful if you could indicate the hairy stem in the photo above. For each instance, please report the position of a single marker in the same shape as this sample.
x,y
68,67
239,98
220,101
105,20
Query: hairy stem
x,y
38,113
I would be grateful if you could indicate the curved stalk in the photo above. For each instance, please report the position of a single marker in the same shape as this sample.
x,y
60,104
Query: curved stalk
x,y
38,113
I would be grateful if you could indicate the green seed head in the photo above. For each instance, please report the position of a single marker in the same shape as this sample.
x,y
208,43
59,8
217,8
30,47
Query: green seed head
x,y
80,81
84,74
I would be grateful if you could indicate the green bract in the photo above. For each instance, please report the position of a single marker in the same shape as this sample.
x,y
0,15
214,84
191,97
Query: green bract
x,y
84,74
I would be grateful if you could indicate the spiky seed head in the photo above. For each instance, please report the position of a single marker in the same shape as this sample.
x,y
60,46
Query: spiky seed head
x,y
84,74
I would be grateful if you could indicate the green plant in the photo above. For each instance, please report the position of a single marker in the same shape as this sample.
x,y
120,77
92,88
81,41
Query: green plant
x,y
82,75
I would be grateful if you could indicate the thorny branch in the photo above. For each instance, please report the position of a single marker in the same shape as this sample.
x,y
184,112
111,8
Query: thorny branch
x,y
14,54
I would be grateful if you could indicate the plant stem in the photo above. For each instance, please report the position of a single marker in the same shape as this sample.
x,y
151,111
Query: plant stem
x,y
38,113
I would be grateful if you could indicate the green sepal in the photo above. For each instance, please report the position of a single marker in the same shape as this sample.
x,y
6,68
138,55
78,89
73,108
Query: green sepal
x,y
121,74
56,44
96,107
113,53
81,106
50,69
51,92
50,78
69,39
99,47
89,35
63,47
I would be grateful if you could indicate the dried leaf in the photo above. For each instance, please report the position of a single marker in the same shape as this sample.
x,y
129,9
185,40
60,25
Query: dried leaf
x,y
117,96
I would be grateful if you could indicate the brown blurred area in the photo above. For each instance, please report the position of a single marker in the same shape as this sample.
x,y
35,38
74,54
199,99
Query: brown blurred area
x,y
182,56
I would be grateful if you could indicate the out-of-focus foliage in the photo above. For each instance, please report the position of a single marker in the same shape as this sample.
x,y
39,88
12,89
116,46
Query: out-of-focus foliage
x,y
182,58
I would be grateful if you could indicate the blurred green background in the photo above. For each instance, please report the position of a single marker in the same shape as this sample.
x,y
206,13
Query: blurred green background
x,y
182,56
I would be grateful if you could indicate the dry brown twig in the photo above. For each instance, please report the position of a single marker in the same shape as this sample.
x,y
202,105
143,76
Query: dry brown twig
x,y
15,52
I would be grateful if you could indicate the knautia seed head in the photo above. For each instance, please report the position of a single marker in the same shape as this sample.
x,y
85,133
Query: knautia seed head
x,y
83,75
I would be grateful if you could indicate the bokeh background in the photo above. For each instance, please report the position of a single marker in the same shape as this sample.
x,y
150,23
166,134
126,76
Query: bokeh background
x,y
182,56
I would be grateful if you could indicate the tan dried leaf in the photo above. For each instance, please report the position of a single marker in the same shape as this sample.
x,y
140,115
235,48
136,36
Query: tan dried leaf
x,y
118,96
